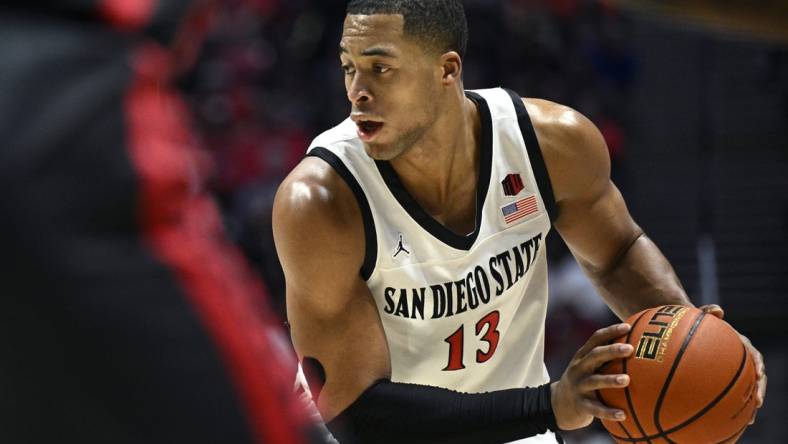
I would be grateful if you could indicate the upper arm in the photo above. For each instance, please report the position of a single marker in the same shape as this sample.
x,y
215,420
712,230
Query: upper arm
x,y
319,237
592,218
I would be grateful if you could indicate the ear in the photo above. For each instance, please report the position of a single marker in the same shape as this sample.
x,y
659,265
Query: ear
x,y
451,65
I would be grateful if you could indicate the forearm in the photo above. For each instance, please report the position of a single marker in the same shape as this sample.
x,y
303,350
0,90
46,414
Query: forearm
x,y
640,278
394,412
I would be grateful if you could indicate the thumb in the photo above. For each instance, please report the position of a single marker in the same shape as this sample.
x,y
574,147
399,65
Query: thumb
x,y
713,309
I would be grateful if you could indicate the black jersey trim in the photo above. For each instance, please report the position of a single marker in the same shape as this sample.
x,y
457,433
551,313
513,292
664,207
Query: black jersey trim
x,y
432,226
371,241
535,156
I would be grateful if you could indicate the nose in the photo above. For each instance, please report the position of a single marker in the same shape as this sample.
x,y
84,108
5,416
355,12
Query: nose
x,y
358,91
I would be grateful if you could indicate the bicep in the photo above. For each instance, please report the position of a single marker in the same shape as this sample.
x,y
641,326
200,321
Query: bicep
x,y
598,229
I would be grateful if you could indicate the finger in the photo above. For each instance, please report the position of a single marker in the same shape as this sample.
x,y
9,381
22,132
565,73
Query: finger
x,y
598,410
603,336
746,341
760,370
713,309
761,395
598,382
602,354
757,357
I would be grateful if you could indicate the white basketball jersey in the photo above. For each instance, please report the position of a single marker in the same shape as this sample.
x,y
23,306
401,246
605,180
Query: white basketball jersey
x,y
462,312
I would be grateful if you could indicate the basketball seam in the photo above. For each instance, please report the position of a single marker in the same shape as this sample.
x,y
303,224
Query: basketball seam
x,y
734,435
625,430
671,373
717,399
626,389
602,400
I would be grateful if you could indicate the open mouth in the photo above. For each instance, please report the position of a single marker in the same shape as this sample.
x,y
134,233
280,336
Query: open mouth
x,y
367,129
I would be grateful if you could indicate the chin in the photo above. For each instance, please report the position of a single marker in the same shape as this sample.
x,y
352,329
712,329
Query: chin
x,y
379,151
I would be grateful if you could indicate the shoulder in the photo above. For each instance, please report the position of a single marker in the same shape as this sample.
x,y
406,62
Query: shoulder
x,y
313,185
315,191
315,208
574,151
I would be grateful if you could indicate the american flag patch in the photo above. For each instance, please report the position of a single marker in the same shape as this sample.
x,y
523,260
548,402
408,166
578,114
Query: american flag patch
x,y
520,209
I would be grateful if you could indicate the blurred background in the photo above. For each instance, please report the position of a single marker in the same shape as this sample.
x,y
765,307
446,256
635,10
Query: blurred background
x,y
692,97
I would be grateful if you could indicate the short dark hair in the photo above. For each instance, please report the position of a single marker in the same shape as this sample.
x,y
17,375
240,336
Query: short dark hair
x,y
439,23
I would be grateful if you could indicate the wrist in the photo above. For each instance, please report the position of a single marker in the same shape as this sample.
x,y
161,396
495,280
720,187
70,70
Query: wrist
x,y
555,402
538,407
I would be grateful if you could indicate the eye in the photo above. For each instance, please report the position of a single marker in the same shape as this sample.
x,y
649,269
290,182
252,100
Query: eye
x,y
380,69
348,70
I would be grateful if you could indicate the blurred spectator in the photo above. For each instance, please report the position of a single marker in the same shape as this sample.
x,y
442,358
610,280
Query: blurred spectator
x,y
126,315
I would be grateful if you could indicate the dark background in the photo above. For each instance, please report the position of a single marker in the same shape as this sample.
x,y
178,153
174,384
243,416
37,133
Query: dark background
x,y
692,98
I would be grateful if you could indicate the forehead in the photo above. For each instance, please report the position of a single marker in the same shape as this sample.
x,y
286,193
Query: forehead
x,y
363,31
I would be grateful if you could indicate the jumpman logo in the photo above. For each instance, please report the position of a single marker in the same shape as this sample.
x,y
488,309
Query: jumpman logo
x,y
401,248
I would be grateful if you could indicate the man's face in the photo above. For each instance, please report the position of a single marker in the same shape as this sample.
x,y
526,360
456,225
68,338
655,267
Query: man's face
x,y
391,81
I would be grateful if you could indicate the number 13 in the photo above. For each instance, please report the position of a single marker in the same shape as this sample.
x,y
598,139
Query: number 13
x,y
491,337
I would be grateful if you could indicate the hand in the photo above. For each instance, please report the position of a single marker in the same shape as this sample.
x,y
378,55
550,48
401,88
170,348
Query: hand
x,y
760,367
572,396
304,395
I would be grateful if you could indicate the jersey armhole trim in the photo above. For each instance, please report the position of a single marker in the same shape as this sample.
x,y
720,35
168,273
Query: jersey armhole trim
x,y
370,238
535,155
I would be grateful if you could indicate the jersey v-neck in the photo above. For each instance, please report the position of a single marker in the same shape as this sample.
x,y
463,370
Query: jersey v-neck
x,y
420,216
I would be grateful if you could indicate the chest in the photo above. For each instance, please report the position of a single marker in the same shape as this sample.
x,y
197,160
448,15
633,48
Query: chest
x,y
458,212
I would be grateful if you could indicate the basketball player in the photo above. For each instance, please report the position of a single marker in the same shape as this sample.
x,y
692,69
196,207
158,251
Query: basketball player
x,y
126,316
413,242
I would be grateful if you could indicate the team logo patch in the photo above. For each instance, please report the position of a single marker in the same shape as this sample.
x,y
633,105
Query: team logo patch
x,y
401,248
520,209
512,184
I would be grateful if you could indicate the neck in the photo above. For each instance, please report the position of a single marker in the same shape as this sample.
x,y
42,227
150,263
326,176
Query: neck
x,y
441,170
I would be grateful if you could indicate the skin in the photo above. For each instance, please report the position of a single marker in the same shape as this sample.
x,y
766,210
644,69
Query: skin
x,y
430,134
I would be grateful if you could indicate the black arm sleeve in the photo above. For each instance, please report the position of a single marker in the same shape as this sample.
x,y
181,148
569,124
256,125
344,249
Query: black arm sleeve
x,y
390,412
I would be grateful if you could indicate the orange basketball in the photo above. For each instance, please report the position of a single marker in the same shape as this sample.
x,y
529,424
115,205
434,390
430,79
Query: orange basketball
x,y
691,380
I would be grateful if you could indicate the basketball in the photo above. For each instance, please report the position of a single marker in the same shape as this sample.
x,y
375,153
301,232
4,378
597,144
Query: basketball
x,y
691,380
